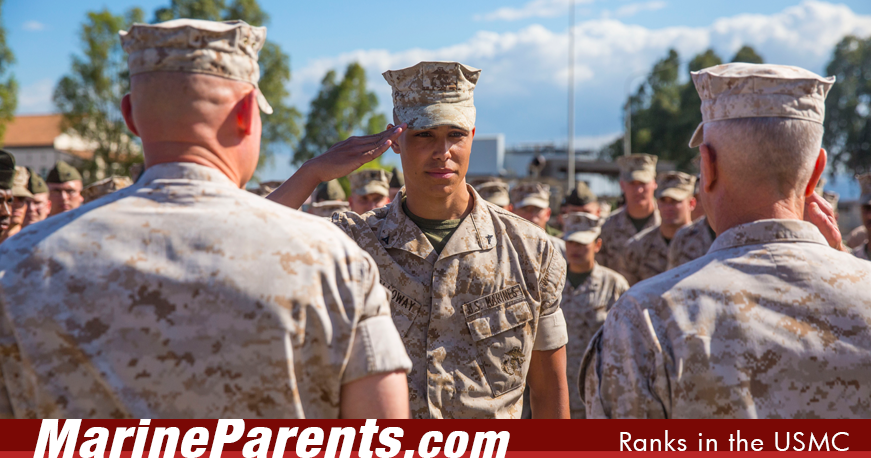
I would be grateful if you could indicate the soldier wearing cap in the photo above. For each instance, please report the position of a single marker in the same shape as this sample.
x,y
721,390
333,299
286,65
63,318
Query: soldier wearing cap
x,y
20,197
475,290
772,322
531,201
184,295
329,198
638,183
690,242
38,206
589,293
646,253
370,189
580,200
397,181
7,180
65,188
863,251
104,187
495,192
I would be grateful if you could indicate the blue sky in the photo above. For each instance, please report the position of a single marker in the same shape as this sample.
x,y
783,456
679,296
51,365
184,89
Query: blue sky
x,y
521,46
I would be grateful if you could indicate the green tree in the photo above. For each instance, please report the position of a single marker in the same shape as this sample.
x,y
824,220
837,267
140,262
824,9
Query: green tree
x,y
748,55
281,128
848,106
666,110
90,96
8,85
341,109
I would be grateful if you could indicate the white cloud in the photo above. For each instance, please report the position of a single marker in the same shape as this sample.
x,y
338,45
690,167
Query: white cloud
x,y
634,8
523,85
535,8
33,26
35,97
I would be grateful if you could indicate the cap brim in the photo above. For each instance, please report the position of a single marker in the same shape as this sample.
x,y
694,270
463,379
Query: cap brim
x,y
372,188
501,201
261,101
675,193
532,201
698,136
582,237
437,114
20,192
644,176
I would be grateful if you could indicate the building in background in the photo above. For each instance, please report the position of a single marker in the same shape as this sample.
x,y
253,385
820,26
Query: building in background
x,y
37,142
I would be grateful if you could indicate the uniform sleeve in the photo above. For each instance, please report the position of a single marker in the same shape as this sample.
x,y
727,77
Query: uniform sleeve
x,y
551,333
623,373
631,260
376,347
674,249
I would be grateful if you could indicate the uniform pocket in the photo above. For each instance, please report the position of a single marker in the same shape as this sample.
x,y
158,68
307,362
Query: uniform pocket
x,y
499,327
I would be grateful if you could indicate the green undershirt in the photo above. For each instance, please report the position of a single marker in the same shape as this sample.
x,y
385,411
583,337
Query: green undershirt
x,y
639,223
577,279
438,232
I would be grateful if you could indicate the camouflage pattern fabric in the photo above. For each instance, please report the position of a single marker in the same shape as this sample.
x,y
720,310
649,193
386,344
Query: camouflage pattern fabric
x,y
861,251
432,94
183,296
771,323
689,243
585,309
645,256
471,316
616,231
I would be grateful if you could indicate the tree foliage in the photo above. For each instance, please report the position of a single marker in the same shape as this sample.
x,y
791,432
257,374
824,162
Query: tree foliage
x,y
8,85
848,106
281,128
666,109
90,96
341,109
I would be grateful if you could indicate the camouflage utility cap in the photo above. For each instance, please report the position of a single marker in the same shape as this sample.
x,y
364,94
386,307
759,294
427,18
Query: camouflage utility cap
x,y
224,49
104,187
432,94
637,167
581,227
739,90
36,184
7,169
581,195
19,185
865,184
397,179
371,181
326,208
495,192
62,173
534,194
677,185
329,191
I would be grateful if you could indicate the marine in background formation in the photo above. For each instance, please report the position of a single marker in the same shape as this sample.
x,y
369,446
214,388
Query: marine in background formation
x,y
328,198
475,290
495,192
370,189
20,197
772,322
196,297
397,182
638,183
581,200
104,187
7,180
64,188
863,251
38,206
589,293
646,253
531,201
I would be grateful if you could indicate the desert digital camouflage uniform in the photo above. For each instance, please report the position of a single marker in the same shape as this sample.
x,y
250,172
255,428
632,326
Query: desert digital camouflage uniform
x,y
618,228
646,254
328,198
104,187
771,323
470,316
184,296
537,195
370,181
495,192
862,251
691,242
586,306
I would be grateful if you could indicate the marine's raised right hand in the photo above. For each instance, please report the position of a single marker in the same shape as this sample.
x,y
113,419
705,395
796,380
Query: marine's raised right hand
x,y
347,156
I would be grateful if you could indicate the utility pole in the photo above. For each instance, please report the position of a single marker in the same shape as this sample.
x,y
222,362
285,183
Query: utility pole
x,y
627,133
571,145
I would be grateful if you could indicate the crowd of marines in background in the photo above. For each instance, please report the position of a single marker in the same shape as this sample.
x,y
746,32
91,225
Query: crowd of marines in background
x,y
471,288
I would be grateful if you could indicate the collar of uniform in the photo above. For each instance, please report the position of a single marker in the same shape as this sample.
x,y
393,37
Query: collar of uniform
x,y
475,232
593,283
185,171
768,231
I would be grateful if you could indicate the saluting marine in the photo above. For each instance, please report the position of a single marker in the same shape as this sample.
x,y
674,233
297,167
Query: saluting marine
x,y
475,290
638,183
646,253
772,322
184,295
589,293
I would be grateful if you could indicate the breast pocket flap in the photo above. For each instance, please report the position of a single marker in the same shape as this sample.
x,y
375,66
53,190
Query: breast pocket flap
x,y
497,313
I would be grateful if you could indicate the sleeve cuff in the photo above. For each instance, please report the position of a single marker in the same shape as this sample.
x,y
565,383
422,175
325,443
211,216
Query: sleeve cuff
x,y
552,333
377,349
